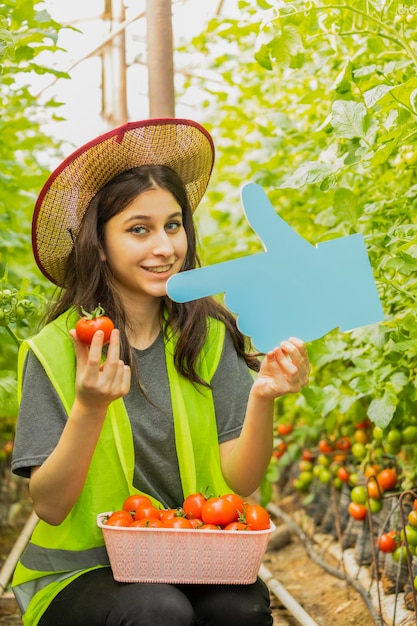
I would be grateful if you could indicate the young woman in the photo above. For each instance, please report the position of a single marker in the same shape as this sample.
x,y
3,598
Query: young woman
x,y
97,423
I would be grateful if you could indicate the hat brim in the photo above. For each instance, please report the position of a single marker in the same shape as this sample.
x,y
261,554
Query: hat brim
x,y
183,145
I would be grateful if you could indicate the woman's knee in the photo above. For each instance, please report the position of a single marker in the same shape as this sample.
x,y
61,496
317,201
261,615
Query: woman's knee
x,y
150,604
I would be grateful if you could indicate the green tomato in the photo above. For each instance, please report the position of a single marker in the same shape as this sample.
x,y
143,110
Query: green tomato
x,y
300,486
359,494
337,483
373,505
400,555
306,477
394,438
411,533
325,475
353,479
359,450
323,460
410,434
378,433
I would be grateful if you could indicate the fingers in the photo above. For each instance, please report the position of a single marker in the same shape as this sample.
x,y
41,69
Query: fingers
x,y
110,377
290,361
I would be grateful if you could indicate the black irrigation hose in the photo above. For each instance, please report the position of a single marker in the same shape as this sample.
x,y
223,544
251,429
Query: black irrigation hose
x,y
334,571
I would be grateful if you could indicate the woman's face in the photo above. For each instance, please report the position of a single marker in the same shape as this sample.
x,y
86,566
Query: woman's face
x,y
145,244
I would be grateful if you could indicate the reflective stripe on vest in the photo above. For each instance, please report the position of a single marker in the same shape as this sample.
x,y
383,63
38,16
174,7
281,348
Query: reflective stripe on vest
x,y
52,560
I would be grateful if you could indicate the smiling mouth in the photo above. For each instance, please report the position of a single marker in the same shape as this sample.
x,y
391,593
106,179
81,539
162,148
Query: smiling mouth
x,y
160,269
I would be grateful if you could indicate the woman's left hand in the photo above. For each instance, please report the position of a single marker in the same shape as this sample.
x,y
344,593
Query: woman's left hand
x,y
284,370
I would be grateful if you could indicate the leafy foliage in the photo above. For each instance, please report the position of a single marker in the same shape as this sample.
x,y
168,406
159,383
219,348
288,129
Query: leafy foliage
x,y
25,33
316,101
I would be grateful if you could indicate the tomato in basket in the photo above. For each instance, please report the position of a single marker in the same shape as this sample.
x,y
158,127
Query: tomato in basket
x,y
135,501
219,511
119,518
257,517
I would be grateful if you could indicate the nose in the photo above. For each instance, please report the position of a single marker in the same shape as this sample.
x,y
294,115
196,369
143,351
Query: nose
x,y
163,245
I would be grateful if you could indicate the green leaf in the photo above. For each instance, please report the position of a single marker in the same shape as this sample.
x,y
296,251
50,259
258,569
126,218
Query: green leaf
x,y
312,172
381,411
350,119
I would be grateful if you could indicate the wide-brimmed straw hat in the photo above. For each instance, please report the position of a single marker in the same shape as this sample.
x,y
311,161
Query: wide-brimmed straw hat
x,y
183,145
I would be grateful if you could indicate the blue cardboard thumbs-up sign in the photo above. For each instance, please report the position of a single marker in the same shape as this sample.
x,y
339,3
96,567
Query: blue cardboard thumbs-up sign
x,y
293,289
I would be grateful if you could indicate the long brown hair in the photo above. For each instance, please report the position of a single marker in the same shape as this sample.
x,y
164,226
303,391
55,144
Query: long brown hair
x,y
88,280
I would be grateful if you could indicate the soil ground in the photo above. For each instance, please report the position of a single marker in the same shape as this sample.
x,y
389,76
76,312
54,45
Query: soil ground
x,y
329,600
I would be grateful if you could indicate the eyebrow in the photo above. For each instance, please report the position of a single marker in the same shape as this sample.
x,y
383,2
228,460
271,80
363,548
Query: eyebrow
x,y
147,218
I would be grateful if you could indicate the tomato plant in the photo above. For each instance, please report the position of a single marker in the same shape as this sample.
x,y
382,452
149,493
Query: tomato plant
x,y
219,511
90,323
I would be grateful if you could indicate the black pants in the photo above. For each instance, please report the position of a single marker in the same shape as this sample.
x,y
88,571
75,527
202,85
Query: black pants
x,y
96,599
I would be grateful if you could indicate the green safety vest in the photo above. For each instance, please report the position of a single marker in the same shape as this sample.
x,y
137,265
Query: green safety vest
x,y
56,555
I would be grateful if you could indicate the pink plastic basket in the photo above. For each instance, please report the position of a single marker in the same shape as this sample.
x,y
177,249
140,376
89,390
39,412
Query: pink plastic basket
x,y
178,555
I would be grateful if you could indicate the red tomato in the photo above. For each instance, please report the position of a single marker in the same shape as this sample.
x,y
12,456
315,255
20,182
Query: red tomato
x,y
387,478
237,502
119,518
219,511
279,450
237,526
168,513
210,527
196,523
193,504
325,446
177,522
148,522
135,501
147,511
257,518
387,542
374,488
357,511
343,474
343,443
285,428
90,323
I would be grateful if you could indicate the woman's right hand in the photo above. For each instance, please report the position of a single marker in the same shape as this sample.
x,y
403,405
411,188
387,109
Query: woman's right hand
x,y
100,382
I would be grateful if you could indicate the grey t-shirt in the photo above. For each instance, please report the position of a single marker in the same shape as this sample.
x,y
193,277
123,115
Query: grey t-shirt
x,y
42,418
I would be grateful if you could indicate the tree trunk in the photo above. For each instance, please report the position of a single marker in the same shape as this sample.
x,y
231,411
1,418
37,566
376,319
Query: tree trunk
x,y
114,68
159,41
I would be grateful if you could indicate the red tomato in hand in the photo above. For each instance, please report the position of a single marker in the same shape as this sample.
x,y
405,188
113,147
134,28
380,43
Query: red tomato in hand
x,y
219,511
257,518
90,323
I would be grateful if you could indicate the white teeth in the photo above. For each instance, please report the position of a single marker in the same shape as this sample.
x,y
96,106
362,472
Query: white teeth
x,y
158,270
